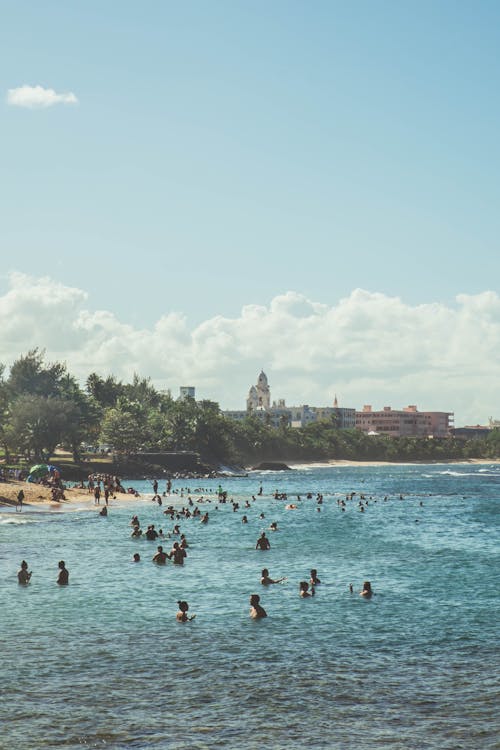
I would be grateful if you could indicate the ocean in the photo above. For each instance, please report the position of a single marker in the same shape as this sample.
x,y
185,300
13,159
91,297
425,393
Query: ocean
x,y
103,663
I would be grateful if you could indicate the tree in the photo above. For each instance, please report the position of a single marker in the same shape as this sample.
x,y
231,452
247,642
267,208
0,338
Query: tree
x,y
38,424
124,427
28,374
104,391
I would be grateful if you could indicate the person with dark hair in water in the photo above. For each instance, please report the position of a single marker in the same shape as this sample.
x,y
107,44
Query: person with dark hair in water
x,y
160,557
23,575
266,580
366,591
314,580
304,590
182,615
263,542
63,577
256,610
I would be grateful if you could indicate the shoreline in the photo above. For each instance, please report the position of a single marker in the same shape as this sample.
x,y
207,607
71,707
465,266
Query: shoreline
x,y
416,462
35,495
39,496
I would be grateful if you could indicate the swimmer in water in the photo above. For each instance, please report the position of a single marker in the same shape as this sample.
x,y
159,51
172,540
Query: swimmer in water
x,y
63,577
160,557
273,526
137,557
23,576
366,590
266,581
181,615
256,610
314,580
263,542
304,590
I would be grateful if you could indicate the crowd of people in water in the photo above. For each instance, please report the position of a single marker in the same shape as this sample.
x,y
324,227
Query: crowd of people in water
x,y
108,485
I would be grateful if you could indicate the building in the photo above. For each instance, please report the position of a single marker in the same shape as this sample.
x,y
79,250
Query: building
x,y
259,395
407,422
186,391
278,414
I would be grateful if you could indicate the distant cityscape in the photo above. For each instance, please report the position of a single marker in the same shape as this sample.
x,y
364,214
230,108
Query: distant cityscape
x,y
405,422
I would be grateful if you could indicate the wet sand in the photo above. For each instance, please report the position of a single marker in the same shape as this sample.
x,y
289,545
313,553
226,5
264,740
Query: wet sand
x,y
37,495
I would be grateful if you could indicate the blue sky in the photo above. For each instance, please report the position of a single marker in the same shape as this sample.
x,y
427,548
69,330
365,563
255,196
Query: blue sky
x,y
224,153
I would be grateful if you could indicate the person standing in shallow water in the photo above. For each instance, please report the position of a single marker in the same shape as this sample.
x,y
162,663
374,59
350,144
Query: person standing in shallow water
x,y
267,581
182,615
63,577
23,576
304,590
20,500
256,610
263,543
366,591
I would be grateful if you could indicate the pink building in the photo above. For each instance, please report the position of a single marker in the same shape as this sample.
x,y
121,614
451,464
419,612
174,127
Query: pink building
x,y
407,422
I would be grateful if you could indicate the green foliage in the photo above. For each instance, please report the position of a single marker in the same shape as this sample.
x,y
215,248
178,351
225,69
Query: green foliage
x,y
43,406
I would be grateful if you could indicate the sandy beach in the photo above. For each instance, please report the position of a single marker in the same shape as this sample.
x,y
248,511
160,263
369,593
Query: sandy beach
x,y
37,495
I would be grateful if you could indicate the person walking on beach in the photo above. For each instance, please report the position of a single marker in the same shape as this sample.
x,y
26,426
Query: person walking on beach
x,y
263,542
23,575
63,577
19,503
97,494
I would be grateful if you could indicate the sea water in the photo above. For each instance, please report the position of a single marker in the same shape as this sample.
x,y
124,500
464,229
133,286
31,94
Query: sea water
x,y
102,663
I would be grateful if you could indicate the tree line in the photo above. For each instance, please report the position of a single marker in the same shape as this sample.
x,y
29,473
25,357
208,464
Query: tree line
x,y
42,406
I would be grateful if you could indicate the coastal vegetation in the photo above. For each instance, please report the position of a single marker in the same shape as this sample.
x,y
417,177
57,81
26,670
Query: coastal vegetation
x,y
43,407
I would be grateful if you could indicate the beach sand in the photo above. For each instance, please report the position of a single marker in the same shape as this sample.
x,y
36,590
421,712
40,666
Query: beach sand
x,y
37,495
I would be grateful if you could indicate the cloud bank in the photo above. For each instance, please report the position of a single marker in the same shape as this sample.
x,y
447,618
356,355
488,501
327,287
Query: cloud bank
x,y
366,348
38,97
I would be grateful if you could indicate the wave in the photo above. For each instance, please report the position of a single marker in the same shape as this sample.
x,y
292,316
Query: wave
x,y
17,521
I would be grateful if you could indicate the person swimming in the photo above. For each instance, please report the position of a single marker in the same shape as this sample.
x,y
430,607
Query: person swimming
x,y
256,610
177,554
266,580
181,615
304,590
366,591
160,557
137,557
23,575
263,542
63,577
314,580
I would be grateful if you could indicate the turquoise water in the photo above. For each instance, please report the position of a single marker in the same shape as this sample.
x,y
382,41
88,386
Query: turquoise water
x,y
103,663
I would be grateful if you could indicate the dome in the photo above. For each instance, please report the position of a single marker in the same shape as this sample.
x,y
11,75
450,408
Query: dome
x,y
262,378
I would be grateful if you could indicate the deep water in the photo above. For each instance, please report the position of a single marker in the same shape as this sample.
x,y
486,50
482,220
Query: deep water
x,y
103,663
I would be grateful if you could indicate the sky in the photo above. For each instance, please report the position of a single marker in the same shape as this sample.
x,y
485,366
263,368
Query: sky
x,y
195,191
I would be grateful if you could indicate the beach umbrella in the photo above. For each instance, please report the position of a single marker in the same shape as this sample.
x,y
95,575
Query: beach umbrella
x,y
39,469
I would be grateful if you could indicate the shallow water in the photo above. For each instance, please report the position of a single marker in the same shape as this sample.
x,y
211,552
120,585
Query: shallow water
x,y
103,663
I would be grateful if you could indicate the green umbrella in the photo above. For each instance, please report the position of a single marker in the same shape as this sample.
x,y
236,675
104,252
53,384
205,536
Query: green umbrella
x,y
39,469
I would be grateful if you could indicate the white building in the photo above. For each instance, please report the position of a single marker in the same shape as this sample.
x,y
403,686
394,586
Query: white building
x,y
259,405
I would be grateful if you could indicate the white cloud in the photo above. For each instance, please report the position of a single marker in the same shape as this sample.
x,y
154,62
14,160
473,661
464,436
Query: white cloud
x,y
367,348
37,97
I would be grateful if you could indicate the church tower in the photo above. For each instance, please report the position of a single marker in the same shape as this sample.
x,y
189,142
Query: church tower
x,y
263,391
259,395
